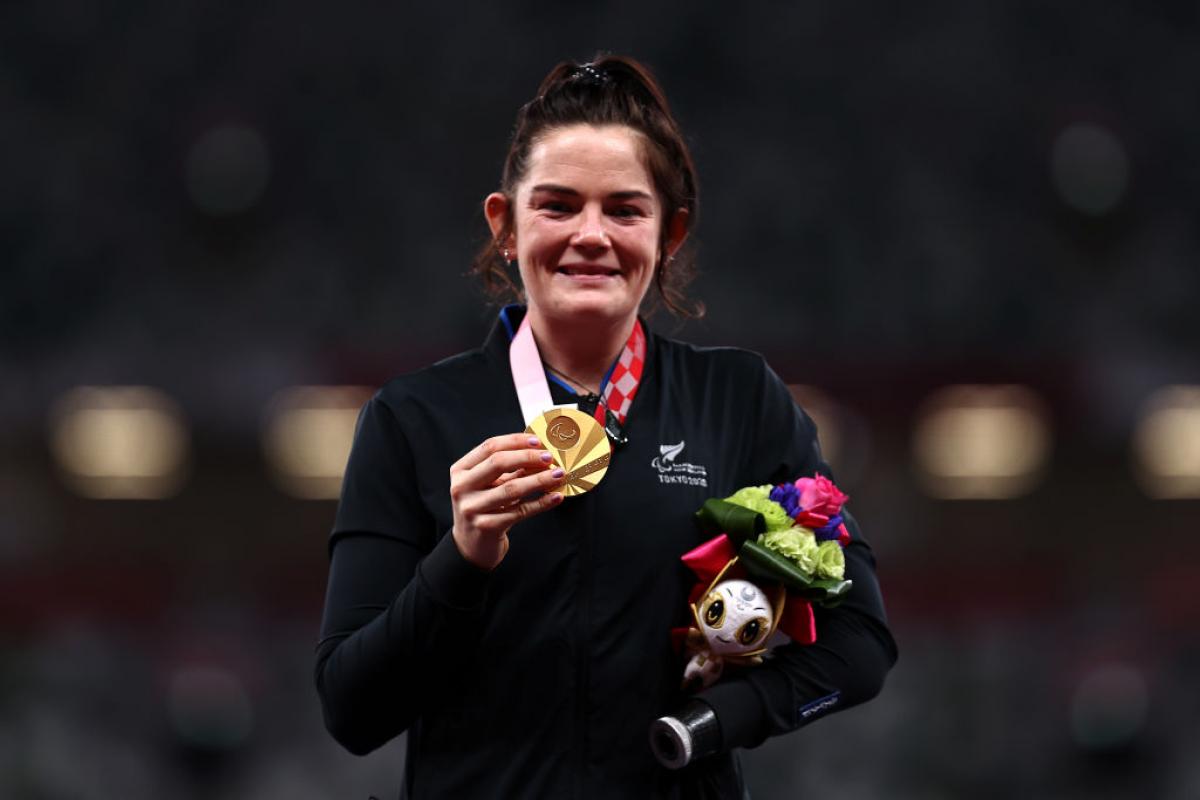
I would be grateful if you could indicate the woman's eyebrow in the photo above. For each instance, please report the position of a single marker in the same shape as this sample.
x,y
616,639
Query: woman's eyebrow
x,y
627,194
631,194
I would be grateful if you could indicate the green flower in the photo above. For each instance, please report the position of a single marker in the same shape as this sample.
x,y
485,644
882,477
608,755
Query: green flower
x,y
757,498
831,562
796,544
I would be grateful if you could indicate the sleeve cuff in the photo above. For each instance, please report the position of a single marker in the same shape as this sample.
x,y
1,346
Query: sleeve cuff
x,y
739,709
451,579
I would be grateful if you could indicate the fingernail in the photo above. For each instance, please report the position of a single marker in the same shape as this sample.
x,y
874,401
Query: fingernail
x,y
546,457
534,441
555,497
558,473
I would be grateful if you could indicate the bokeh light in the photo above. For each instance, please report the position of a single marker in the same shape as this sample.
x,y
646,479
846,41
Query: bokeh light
x,y
981,442
1166,443
844,438
227,169
308,435
1109,707
209,708
120,442
1089,167
824,413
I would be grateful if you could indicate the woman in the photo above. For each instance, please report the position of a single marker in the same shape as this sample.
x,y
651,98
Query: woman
x,y
522,639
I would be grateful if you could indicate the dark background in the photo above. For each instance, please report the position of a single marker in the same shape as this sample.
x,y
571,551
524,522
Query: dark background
x,y
224,201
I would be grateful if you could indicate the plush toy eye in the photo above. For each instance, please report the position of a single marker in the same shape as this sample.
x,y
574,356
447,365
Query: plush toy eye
x,y
751,630
714,611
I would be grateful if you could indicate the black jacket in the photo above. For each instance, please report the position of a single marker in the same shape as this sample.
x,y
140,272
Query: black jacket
x,y
541,678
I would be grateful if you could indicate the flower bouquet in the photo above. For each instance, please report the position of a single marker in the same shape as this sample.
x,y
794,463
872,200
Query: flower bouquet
x,y
775,551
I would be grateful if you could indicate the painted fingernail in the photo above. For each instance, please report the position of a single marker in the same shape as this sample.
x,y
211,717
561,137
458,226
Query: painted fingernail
x,y
546,457
558,473
534,441
555,497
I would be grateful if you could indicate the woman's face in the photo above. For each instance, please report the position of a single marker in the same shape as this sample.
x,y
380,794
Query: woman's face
x,y
586,224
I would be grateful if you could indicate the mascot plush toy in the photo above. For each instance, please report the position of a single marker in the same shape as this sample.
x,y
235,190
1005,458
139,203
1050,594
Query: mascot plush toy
x,y
733,622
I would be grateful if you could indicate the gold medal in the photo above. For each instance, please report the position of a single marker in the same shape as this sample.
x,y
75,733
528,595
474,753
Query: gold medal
x,y
578,444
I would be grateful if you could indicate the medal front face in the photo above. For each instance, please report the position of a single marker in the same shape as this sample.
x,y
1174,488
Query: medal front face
x,y
578,444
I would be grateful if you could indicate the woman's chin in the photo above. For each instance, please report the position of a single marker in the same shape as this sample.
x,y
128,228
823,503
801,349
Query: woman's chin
x,y
592,307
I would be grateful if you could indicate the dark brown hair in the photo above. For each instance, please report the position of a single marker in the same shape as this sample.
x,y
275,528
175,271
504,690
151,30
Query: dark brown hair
x,y
612,90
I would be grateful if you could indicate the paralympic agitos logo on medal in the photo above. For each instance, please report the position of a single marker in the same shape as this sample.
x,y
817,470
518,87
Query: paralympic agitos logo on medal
x,y
672,471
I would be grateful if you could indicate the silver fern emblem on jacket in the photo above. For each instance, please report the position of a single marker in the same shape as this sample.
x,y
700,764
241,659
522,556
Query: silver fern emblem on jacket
x,y
672,471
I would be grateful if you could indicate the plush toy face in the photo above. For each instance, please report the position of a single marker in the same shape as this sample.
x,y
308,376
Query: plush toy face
x,y
735,617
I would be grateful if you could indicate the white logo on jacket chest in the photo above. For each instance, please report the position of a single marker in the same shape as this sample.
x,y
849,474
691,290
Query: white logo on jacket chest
x,y
672,471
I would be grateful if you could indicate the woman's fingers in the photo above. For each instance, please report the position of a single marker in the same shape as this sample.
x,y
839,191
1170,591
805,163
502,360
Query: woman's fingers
x,y
508,476
494,445
529,508
498,483
509,494
489,470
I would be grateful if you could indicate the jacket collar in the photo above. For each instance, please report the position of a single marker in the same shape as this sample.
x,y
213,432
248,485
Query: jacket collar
x,y
509,320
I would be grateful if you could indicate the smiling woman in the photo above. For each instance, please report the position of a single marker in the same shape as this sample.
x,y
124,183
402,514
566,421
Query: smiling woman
x,y
533,665
612,93
586,226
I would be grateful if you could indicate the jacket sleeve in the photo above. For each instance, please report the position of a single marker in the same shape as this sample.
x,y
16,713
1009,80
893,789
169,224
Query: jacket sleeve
x,y
400,598
854,649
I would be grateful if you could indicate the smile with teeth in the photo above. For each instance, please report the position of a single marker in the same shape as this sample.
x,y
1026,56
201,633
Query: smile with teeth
x,y
589,271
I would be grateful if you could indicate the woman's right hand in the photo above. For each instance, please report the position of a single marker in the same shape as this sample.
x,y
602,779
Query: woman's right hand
x,y
489,487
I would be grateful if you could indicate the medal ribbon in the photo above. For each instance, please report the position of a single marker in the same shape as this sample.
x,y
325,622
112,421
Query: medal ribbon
x,y
625,377
533,392
529,377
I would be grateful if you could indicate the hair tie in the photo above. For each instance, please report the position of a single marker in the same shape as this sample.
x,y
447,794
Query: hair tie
x,y
592,76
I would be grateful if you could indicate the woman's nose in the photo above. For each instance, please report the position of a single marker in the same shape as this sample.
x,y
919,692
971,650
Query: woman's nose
x,y
591,233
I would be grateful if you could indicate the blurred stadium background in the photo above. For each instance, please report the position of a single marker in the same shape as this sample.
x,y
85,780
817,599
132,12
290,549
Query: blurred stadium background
x,y
966,232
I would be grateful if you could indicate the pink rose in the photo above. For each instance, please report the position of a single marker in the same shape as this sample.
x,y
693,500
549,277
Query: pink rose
x,y
819,497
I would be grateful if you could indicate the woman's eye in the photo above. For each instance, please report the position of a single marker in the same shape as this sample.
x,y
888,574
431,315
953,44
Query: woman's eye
x,y
556,206
627,211
714,613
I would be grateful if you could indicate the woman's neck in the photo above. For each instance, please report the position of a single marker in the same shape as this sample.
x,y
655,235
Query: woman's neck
x,y
581,351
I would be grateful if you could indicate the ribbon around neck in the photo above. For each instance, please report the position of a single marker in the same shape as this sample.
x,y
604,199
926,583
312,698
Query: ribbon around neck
x,y
529,378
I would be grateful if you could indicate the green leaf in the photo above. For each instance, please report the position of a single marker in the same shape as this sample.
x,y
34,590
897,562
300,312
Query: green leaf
x,y
768,565
827,591
717,516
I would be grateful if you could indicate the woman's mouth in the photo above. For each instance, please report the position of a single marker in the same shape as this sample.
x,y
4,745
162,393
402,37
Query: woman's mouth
x,y
588,271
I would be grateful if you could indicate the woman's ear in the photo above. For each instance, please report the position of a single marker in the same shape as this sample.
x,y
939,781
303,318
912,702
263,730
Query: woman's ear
x,y
498,211
677,231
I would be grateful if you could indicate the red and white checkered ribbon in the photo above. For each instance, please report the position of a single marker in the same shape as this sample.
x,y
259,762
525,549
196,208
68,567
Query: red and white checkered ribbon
x,y
625,378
